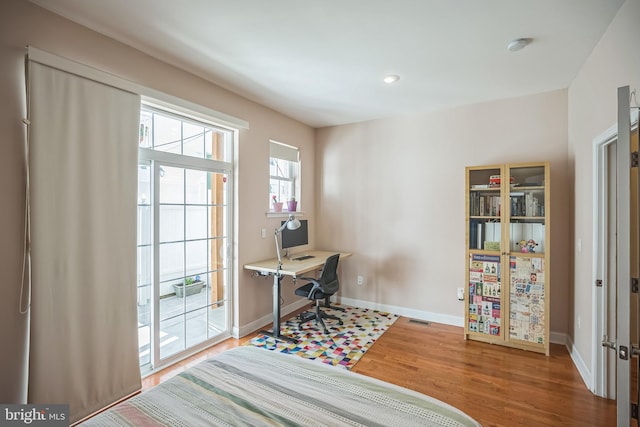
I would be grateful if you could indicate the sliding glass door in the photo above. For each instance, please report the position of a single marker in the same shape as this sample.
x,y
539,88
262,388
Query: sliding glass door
x,y
183,247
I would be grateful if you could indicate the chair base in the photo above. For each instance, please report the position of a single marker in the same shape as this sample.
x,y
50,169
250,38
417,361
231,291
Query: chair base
x,y
317,315
327,304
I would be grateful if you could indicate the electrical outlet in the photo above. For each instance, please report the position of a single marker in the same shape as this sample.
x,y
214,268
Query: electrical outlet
x,y
264,233
360,280
460,294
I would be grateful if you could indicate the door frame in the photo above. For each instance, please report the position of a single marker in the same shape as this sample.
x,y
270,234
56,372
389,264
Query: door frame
x,y
602,357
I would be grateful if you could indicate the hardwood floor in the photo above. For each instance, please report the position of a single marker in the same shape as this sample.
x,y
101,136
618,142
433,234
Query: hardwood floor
x,y
497,386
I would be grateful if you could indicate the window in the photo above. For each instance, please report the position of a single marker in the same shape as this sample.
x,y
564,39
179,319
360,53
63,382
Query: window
x,y
184,229
284,171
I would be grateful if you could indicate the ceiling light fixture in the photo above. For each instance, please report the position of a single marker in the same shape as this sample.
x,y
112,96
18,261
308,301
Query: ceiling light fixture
x,y
518,44
391,78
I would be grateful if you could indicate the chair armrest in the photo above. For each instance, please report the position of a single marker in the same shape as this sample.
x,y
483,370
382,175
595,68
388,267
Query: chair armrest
x,y
314,289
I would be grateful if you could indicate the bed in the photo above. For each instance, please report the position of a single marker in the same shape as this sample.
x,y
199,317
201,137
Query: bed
x,y
249,386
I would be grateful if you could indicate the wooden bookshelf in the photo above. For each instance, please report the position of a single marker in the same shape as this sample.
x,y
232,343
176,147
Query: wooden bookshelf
x,y
507,257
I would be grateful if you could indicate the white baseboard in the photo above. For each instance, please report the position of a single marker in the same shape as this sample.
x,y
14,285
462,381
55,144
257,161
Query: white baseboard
x,y
583,370
268,319
406,312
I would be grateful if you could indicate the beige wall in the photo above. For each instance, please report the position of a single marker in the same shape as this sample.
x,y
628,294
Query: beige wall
x,y
614,63
22,24
392,192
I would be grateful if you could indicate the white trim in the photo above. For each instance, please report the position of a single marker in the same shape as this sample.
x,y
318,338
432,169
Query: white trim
x,y
156,97
267,320
579,363
598,374
598,321
181,161
283,214
445,319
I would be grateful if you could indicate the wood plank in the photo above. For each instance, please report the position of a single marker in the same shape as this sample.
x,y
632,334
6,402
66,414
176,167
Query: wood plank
x,y
498,386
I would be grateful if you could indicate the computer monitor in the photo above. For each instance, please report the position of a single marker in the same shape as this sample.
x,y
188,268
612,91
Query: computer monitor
x,y
298,237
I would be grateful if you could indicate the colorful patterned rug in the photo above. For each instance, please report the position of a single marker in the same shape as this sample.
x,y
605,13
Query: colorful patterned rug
x,y
344,345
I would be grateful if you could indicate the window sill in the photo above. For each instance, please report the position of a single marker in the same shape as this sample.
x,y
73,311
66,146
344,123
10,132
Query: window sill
x,y
283,214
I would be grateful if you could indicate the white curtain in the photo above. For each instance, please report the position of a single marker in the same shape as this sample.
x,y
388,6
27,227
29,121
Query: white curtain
x,y
83,186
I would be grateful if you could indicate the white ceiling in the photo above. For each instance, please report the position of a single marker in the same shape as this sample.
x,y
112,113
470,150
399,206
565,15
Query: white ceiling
x,y
322,63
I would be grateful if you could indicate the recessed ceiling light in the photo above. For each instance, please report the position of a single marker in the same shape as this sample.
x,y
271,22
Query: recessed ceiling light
x,y
391,78
518,44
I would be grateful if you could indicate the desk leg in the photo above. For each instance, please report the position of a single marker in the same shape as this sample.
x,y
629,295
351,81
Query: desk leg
x,y
276,313
276,305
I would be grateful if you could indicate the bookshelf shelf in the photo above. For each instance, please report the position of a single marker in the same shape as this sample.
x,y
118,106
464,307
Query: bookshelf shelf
x,y
507,256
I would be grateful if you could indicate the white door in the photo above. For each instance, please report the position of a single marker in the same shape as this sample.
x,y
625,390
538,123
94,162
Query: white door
x,y
616,264
184,235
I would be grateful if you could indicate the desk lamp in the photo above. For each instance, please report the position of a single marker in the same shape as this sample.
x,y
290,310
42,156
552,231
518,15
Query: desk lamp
x,y
292,224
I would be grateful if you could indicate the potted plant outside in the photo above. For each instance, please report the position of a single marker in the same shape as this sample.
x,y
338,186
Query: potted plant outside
x,y
190,286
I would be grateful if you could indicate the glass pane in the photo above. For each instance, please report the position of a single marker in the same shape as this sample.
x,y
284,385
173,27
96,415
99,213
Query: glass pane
x,y
218,251
167,133
218,189
196,326
484,209
527,210
527,299
280,168
171,185
171,223
144,343
197,222
193,140
145,262
217,320
218,145
484,292
171,336
144,185
218,221
281,189
197,186
216,290
197,255
171,261
144,225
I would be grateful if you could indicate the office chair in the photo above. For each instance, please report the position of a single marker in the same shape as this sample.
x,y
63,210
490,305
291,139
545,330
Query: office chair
x,y
320,289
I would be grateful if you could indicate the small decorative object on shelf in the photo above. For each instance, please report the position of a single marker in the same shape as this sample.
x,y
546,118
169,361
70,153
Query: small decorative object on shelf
x,y
528,246
292,205
277,206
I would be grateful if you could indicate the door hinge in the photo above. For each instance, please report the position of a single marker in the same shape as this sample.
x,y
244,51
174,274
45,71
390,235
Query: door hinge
x,y
634,411
599,283
634,285
634,159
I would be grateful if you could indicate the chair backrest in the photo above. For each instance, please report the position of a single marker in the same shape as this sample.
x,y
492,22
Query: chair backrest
x,y
329,277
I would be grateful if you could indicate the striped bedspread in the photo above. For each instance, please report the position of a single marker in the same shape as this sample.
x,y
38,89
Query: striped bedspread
x,y
249,386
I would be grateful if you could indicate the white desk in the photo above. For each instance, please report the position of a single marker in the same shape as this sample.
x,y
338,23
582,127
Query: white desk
x,y
290,267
